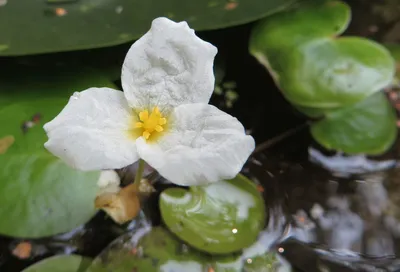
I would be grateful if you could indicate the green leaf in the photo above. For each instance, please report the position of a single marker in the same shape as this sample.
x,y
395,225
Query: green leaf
x,y
156,250
366,127
220,218
40,195
81,24
60,263
311,66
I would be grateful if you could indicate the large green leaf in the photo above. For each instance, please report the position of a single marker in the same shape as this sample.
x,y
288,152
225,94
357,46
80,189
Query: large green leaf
x,y
39,26
61,263
39,194
158,250
221,217
312,66
366,127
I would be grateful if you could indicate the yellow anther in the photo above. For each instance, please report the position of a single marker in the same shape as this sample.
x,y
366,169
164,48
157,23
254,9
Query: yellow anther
x,y
146,134
159,128
144,115
150,123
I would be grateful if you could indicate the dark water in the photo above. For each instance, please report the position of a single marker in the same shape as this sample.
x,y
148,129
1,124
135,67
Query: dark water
x,y
341,216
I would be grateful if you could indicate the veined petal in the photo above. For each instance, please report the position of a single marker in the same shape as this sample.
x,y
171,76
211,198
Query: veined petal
x,y
168,66
91,132
202,145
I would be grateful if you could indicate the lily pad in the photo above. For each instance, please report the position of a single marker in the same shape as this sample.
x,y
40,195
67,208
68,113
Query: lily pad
x,y
61,263
366,127
221,217
39,194
80,24
149,250
313,67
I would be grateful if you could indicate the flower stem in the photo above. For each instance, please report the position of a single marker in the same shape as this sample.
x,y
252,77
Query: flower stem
x,y
139,173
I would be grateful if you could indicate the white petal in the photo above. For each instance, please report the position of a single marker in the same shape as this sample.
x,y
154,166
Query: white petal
x,y
91,132
168,66
202,145
108,178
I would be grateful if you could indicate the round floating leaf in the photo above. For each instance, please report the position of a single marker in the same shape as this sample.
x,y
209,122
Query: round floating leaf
x,y
366,127
39,194
148,250
60,263
313,67
64,25
221,217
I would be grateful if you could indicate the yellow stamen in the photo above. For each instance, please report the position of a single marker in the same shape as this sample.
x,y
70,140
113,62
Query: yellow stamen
x,y
144,115
151,123
146,134
159,128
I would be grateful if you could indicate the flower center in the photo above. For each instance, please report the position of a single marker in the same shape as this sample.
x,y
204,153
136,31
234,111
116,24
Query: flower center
x,y
150,123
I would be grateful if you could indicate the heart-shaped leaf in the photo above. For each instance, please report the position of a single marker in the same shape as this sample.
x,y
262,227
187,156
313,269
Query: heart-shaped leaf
x,y
39,194
221,217
148,250
311,66
61,263
366,127
79,24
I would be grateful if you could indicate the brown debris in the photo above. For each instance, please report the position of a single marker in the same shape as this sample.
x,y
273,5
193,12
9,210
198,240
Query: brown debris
x,y
122,206
5,143
23,250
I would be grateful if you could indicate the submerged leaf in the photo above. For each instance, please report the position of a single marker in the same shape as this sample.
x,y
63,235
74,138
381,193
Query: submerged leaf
x,y
61,263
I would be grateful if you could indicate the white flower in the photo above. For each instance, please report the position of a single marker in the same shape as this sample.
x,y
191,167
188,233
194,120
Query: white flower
x,y
162,116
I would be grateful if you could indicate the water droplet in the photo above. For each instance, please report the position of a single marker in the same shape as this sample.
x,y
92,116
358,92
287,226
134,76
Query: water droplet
x,y
249,261
234,230
281,250
76,95
119,9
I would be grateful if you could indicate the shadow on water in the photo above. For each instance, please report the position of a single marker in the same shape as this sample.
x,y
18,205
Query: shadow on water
x,y
325,216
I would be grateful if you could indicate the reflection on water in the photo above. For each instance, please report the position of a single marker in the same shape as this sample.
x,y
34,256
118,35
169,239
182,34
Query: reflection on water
x,y
343,211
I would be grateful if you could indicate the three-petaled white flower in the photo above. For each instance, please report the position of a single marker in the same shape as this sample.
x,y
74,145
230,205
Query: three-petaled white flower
x,y
162,116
